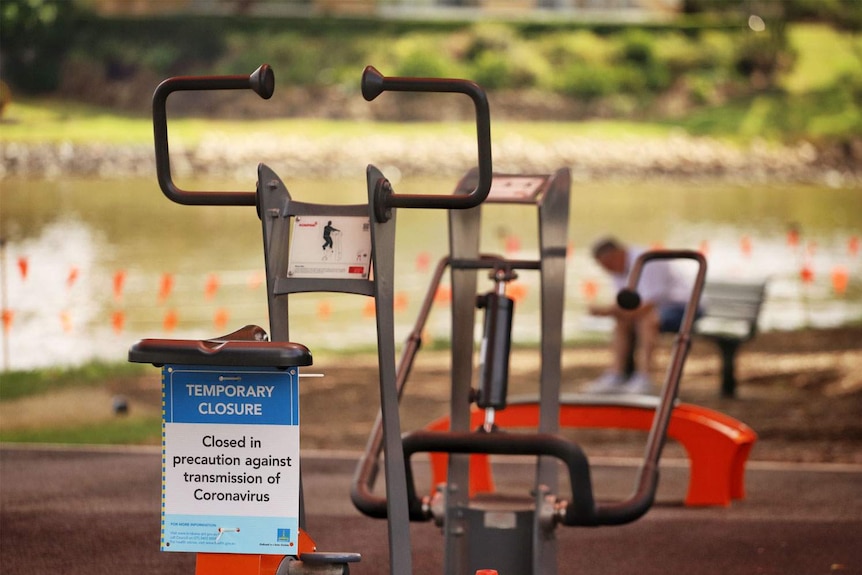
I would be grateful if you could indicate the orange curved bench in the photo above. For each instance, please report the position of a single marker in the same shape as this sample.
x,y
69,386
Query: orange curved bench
x,y
717,445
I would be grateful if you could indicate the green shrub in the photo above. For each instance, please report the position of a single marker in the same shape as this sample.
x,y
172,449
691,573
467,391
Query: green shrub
x,y
36,35
637,47
562,48
760,57
490,37
587,82
521,67
421,55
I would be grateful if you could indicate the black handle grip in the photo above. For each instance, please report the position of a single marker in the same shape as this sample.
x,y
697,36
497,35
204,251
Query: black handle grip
x,y
628,298
374,84
261,81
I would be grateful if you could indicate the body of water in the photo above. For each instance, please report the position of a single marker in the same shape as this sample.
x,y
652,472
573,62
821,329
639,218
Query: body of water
x,y
89,266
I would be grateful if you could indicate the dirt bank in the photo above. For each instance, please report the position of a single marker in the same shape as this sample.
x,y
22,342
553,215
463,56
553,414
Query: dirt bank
x,y
800,391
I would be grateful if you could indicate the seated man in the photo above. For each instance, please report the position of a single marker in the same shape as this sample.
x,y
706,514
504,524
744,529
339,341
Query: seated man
x,y
663,293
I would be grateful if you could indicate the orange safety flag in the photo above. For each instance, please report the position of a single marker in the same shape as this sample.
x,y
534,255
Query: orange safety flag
x,y
853,245
72,277
66,321
517,291
118,321
401,300
793,236
443,294
169,324
255,280
369,309
23,267
589,289
840,279
513,244
119,282
423,261
8,317
324,310
212,286
166,286
745,246
221,317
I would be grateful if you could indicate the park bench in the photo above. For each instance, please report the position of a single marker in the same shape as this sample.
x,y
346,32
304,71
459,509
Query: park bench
x,y
731,310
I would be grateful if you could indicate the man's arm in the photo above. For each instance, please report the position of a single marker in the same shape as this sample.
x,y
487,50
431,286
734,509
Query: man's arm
x,y
615,311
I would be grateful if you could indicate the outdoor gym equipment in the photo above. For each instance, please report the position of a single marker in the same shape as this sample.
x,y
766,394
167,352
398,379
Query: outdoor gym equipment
x,y
478,533
492,530
270,363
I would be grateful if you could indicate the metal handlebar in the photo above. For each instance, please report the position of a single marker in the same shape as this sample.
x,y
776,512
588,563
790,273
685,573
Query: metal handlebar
x,y
261,81
374,84
582,509
641,499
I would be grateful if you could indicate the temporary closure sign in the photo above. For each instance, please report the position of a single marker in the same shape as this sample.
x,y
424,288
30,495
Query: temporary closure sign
x,y
230,460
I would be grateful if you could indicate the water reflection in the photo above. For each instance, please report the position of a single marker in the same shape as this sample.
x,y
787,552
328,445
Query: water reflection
x,y
90,266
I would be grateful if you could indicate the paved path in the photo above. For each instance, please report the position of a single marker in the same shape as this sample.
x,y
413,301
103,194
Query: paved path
x,y
96,511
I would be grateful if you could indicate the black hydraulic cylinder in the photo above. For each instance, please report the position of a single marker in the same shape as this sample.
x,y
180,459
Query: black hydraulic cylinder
x,y
496,344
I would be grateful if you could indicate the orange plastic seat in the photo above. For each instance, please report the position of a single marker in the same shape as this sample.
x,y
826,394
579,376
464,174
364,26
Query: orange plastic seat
x,y
717,445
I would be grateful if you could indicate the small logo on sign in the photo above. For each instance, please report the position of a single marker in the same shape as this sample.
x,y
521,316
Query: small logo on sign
x,y
283,535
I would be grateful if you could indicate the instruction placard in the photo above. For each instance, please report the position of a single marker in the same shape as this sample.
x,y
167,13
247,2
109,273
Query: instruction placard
x,y
230,460
516,188
330,247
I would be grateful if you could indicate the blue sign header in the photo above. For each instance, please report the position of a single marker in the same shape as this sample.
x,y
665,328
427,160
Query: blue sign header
x,y
235,395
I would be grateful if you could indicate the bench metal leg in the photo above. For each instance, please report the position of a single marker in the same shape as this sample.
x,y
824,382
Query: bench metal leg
x,y
728,348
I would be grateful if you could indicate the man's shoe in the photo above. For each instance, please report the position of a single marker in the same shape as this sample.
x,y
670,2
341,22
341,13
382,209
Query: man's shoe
x,y
608,382
638,384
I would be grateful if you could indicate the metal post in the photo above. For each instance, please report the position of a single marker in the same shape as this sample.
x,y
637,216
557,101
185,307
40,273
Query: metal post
x,y
553,233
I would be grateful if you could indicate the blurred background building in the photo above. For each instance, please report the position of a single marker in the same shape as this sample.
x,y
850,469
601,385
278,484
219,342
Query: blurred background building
x,y
633,10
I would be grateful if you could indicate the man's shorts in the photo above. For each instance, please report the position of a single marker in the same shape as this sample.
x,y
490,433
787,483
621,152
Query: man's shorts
x,y
670,316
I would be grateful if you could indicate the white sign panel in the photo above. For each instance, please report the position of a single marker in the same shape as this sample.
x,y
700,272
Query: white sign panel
x,y
230,460
330,247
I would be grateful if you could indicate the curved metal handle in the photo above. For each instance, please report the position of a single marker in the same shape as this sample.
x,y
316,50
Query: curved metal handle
x,y
261,81
374,84
641,499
